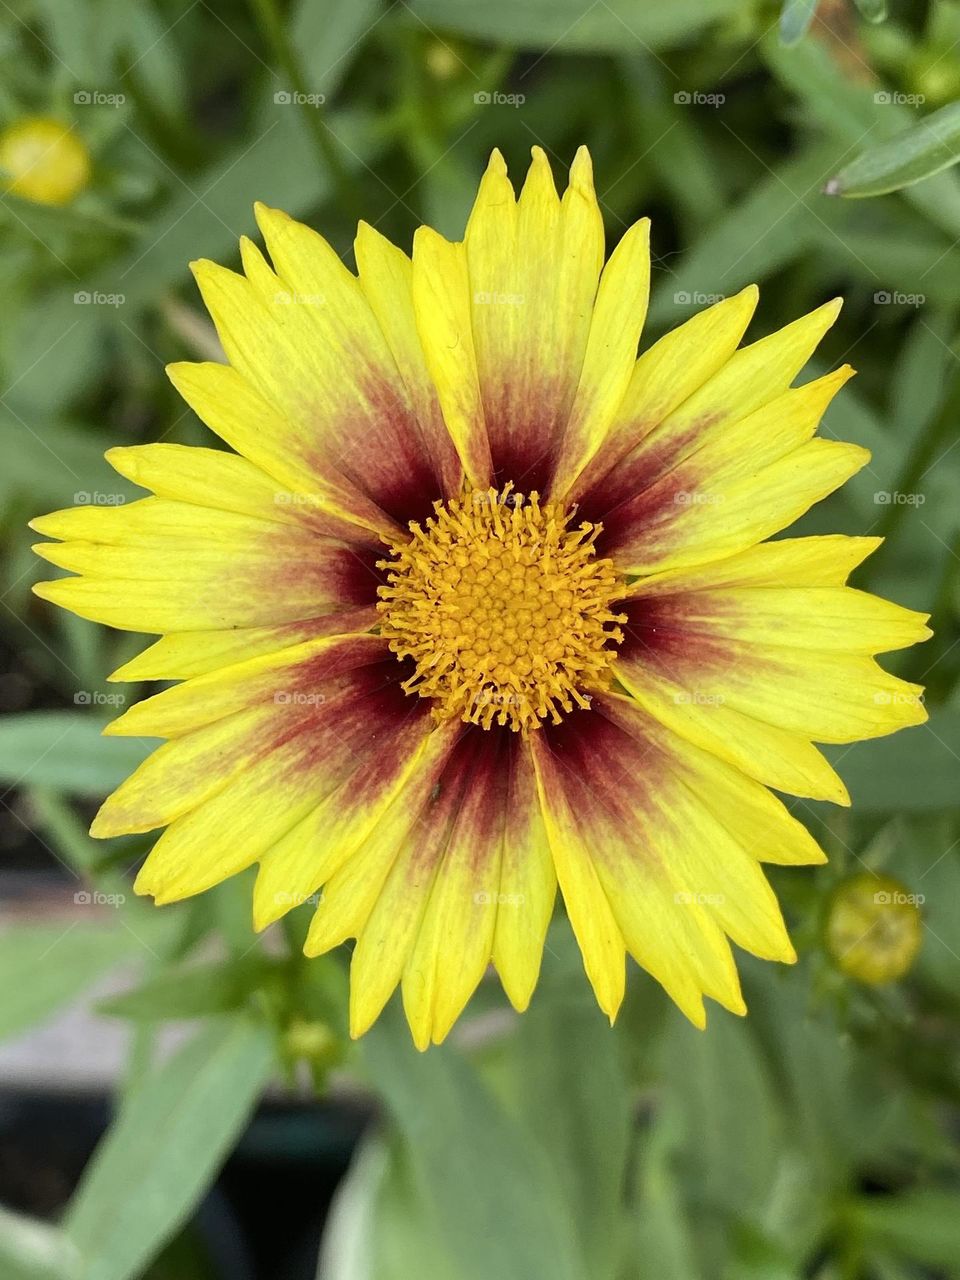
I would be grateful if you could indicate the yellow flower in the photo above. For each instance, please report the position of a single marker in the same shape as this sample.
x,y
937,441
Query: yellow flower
x,y
481,604
874,929
44,160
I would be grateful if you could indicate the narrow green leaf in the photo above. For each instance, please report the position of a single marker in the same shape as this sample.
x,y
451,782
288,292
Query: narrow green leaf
x,y
165,1148
923,1225
66,750
32,1250
616,26
497,1202
42,967
920,152
795,19
378,1227
219,987
572,1094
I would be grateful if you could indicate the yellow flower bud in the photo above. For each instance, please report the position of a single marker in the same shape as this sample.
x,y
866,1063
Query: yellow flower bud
x,y
874,928
443,61
313,1041
44,160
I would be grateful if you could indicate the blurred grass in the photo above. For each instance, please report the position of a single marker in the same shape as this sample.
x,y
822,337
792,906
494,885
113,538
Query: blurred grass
x,y
820,1138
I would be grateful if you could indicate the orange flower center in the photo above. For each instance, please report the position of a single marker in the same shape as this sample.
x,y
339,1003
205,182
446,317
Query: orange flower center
x,y
503,609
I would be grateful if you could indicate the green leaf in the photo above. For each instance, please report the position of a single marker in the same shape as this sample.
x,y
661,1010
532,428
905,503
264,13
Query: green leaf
x,y
55,465
377,1228
498,1206
328,33
914,770
795,19
32,1250
219,987
42,967
166,1147
616,26
572,1094
66,750
768,229
923,1225
848,111
920,152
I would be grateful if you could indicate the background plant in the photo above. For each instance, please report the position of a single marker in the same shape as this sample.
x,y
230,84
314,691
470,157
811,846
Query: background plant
x,y
818,1138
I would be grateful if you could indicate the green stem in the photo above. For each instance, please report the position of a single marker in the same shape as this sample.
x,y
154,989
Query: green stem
x,y
272,25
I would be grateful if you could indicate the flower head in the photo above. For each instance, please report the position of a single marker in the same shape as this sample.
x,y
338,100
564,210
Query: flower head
x,y
44,160
481,604
874,928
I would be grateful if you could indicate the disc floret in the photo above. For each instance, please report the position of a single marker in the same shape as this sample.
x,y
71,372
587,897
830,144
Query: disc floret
x,y
504,610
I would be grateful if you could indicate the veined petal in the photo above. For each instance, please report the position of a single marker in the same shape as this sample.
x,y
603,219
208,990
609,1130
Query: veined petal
x,y
386,278
533,267
774,756
227,482
241,416
306,340
610,359
752,378
665,376
282,678
820,695
325,763
158,565
441,304
425,895
687,527
607,797
183,654
823,561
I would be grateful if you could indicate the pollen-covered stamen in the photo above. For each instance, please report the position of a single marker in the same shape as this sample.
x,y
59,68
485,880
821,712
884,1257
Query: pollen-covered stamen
x,y
503,609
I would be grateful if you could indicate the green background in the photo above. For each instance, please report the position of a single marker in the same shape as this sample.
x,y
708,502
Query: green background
x,y
816,1138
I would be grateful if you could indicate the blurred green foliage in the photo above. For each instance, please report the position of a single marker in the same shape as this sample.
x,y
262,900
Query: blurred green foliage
x,y
818,1138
